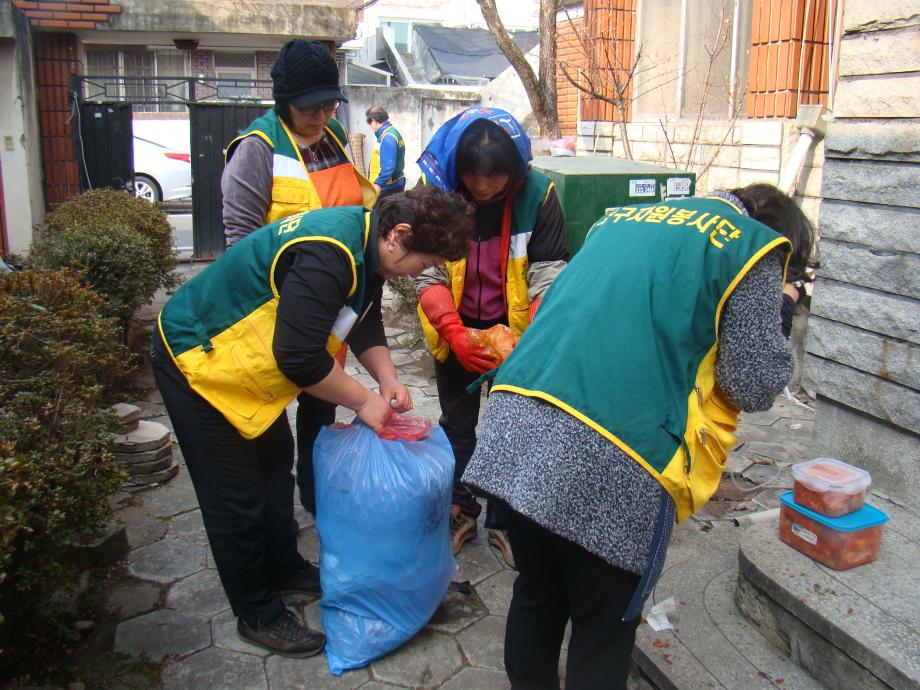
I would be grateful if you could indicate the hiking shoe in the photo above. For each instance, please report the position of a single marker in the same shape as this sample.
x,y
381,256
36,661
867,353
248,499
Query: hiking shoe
x,y
462,530
285,635
303,581
499,539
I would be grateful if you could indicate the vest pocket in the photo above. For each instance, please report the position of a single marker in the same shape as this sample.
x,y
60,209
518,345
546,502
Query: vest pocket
x,y
713,437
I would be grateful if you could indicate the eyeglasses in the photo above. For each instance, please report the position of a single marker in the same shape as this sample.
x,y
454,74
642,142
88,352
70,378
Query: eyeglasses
x,y
327,107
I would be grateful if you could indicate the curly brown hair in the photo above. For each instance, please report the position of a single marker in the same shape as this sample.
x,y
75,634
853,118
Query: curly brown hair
x,y
441,222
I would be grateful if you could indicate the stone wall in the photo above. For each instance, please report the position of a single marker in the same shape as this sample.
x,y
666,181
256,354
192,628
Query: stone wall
x,y
863,349
416,111
724,154
320,20
23,202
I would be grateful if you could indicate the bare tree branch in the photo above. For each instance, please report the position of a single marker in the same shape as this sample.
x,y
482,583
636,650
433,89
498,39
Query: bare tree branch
x,y
542,97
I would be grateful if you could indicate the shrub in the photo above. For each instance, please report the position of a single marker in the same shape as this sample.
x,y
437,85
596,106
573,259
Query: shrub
x,y
107,207
58,358
404,289
113,259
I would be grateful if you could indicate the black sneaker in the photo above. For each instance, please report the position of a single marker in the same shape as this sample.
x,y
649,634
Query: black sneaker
x,y
284,635
304,581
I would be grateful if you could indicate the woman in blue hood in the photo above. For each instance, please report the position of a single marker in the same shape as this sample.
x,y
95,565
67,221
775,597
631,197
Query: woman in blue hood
x,y
518,249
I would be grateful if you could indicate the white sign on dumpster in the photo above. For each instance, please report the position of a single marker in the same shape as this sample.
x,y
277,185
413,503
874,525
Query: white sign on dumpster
x,y
643,187
678,186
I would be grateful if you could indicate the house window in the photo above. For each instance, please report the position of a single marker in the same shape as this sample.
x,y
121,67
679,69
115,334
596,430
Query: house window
x,y
791,60
237,70
165,65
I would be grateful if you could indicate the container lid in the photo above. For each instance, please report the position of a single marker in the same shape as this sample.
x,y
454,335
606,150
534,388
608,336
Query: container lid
x,y
827,474
867,516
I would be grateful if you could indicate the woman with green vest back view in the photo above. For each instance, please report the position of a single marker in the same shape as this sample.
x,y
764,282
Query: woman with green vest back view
x,y
294,158
237,343
518,249
614,414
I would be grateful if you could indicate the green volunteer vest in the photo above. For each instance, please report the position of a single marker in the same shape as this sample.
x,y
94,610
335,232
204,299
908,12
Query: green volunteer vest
x,y
219,326
527,202
292,190
626,337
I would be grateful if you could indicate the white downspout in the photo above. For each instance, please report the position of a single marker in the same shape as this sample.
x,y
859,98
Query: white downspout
x,y
812,127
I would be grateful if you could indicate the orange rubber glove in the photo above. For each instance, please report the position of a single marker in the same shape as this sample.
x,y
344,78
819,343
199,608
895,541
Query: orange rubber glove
x,y
438,305
533,308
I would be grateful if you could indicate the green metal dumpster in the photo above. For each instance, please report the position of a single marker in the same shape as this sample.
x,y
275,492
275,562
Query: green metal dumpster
x,y
588,185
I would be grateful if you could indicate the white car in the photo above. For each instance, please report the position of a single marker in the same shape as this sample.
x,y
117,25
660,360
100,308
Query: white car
x,y
161,173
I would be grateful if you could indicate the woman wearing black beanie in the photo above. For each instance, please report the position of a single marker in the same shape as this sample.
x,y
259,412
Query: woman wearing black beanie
x,y
294,158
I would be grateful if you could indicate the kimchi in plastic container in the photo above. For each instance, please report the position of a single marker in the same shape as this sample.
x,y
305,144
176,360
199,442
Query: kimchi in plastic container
x,y
838,543
830,487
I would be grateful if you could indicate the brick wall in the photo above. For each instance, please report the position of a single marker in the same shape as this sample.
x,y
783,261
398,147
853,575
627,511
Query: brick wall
x,y
611,24
56,59
67,14
264,62
202,63
569,52
789,62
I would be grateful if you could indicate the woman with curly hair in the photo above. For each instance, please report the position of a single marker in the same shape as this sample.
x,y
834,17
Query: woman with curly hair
x,y
237,343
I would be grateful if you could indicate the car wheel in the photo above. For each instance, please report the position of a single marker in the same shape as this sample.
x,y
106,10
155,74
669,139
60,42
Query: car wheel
x,y
146,188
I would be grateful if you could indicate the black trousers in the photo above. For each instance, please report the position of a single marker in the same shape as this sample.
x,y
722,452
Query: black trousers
x,y
557,581
312,415
459,417
245,490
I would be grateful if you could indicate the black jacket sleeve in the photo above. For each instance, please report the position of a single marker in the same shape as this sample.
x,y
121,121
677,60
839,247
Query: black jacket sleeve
x,y
547,243
314,279
369,332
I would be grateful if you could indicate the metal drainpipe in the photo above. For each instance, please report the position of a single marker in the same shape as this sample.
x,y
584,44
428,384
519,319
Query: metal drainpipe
x,y
812,127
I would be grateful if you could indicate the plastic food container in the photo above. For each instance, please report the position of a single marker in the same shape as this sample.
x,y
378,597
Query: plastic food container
x,y
830,487
838,543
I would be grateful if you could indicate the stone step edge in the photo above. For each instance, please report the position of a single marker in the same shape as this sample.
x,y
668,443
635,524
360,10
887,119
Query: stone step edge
x,y
846,645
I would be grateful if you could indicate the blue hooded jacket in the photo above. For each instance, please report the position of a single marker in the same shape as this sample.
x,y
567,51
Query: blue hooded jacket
x,y
438,160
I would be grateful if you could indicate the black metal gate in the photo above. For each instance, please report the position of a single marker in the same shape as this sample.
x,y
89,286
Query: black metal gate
x,y
213,127
104,145
219,109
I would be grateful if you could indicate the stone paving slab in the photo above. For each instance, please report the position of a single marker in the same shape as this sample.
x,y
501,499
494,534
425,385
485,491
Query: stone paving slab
x,y
147,436
310,674
131,598
141,527
176,497
156,477
426,661
166,561
460,608
870,613
484,643
188,526
127,415
215,669
200,593
159,634
146,456
712,645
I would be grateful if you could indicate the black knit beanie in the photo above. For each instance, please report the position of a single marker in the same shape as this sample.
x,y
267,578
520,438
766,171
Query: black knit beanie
x,y
305,74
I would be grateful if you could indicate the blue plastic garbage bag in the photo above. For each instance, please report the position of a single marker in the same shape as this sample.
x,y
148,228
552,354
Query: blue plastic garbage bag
x,y
385,556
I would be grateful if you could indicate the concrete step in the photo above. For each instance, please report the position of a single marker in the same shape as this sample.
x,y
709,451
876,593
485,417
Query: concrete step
x,y
712,645
857,628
